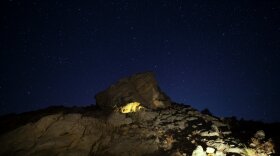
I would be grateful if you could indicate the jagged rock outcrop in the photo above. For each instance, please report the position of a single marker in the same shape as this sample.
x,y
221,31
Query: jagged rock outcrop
x,y
178,130
174,130
140,88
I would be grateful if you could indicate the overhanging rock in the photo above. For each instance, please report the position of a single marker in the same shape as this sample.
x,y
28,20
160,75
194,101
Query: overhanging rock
x,y
140,88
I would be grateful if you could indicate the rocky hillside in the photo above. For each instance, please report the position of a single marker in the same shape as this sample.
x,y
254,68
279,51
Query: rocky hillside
x,y
132,118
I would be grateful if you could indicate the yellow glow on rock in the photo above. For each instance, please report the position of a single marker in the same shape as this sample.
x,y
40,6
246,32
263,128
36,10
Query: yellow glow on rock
x,y
131,107
250,152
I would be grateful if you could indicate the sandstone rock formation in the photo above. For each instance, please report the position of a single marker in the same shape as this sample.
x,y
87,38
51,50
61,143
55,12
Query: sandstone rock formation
x,y
174,130
140,88
178,130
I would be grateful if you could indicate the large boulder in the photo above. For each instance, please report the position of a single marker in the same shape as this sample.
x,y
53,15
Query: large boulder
x,y
141,87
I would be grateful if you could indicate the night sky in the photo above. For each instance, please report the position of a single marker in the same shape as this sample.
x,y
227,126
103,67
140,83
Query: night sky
x,y
221,55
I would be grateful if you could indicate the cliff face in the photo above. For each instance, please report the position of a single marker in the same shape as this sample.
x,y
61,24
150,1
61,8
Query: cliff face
x,y
170,130
140,87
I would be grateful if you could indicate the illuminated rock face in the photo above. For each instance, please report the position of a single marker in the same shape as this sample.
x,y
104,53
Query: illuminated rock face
x,y
140,87
131,107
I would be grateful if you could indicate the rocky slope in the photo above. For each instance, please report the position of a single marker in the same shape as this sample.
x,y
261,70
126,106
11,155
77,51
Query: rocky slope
x,y
158,128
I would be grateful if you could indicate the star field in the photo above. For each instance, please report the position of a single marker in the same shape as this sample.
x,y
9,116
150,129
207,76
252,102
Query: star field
x,y
221,55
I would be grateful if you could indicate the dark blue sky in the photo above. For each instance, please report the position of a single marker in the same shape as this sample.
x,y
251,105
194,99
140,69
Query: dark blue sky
x,y
220,55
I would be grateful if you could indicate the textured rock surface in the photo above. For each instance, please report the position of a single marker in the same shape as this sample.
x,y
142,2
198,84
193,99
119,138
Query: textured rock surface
x,y
73,134
140,87
177,130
